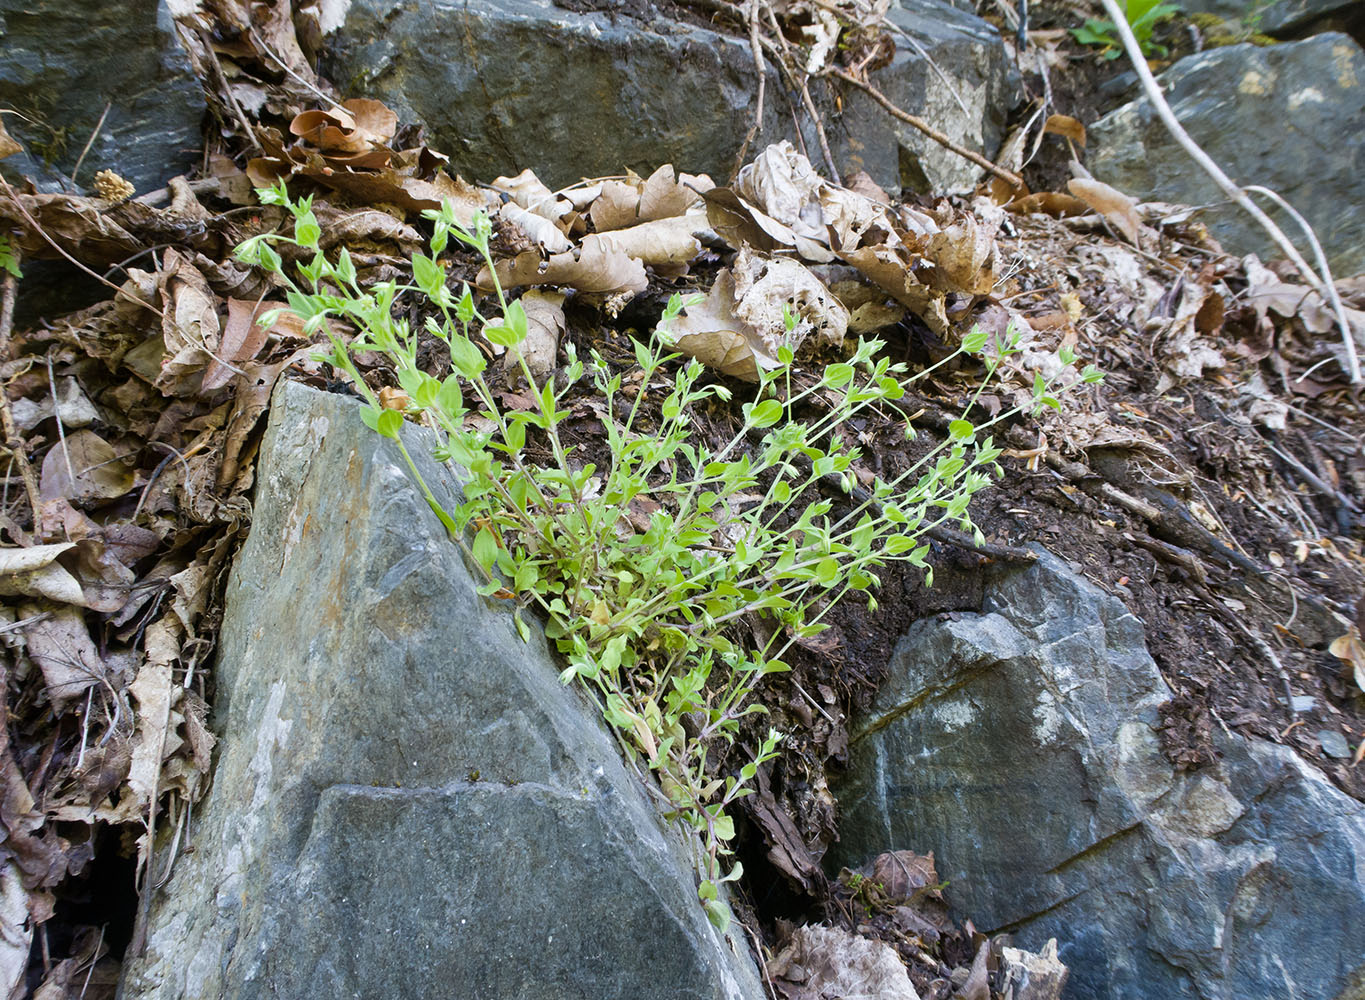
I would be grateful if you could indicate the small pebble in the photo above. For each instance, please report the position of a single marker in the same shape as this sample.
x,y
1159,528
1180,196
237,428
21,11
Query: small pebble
x,y
1334,744
1304,702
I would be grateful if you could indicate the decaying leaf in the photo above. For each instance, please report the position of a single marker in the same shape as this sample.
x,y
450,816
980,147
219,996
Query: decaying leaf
x,y
8,146
85,468
545,326
1065,125
742,323
1118,208
34,572
1350,650
822,962
59,642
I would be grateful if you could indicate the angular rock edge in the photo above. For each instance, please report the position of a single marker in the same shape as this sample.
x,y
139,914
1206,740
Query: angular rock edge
x,y
407,802
1020,745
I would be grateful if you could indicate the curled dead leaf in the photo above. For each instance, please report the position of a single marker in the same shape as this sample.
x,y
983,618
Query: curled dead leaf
x,y
1350,650
1118,208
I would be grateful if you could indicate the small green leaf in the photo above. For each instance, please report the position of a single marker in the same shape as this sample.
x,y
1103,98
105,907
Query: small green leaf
x,y
974,342
388,423
465,358
766,413
961,430
837,376
428,275
449,399
485,548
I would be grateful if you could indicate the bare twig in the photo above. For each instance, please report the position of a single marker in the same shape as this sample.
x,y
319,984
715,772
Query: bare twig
x,y
1152,89
756,46
91,141
1008,176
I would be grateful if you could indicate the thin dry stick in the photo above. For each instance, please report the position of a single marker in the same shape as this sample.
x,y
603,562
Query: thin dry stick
x,y
756,47
805,96
90,142
1206,162
1008,176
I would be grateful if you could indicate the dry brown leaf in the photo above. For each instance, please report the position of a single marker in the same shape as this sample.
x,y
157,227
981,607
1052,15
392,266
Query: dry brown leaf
x,y
1350,650
617,206
189,326
96,471
1065,125
540,229
528,191
738,329
592,269
242,340
545,326
59,642
1053,203
16,930
8,145
963,255
821,962
666,195
358,126
782,184
1118,208
35,572
663,243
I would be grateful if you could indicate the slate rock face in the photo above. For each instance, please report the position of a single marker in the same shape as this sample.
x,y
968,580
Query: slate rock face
x,y
1277,17
1019,745
507,84
407,802
62,62
1288,117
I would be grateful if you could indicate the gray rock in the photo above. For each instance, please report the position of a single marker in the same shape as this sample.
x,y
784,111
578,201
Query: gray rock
x,y
62,62
1020,746
507,84
407,802
1288,117
1276,17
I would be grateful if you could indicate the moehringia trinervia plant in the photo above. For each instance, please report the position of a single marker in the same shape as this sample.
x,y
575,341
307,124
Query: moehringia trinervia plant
x,y
646,612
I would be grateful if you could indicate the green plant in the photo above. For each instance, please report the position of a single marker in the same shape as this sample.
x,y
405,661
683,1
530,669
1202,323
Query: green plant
x,y
1142,16
647,611
9,260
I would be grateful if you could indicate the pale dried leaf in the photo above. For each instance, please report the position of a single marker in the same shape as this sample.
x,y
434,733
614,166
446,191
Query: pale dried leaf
x,y
358,126
1066,126
34,572
242,340
663,243
782,184
766,288
16,931
616,207
540,229
1118,208
1349,649
593,269
711,332
60,644
530,193
665,195
545,327
8,146
822,962
95,470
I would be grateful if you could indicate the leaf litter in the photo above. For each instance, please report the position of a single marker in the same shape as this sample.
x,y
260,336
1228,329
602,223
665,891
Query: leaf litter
x,y
1217,479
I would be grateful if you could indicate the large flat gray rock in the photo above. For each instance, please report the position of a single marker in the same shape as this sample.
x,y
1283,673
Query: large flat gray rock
x,y
507,84
1288,117
61,63
407,803
1020,746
